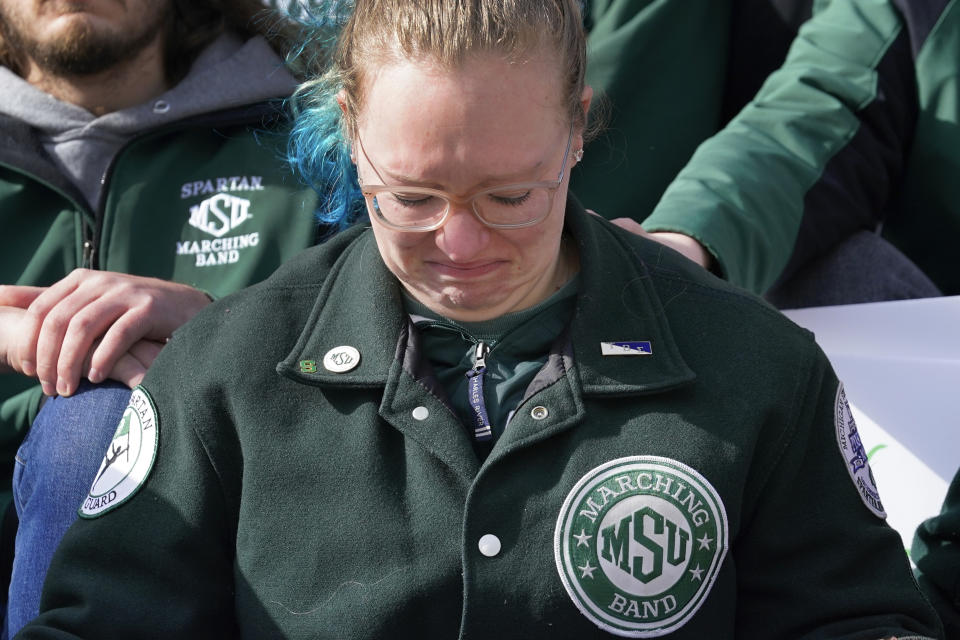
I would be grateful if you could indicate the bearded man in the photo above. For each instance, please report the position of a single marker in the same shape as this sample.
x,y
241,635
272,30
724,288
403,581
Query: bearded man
x,y
134,186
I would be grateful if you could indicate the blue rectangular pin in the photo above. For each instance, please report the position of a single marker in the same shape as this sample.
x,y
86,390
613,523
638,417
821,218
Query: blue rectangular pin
x,y
627,348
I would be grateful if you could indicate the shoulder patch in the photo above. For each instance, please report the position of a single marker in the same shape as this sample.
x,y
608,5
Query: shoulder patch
x,y
639,543
129,459
855,454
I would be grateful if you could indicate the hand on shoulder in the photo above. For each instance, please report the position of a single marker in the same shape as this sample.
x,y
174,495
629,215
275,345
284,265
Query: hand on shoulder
x,y
97,324
683,244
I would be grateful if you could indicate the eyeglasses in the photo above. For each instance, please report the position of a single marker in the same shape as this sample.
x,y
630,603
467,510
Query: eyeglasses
x,y
512,206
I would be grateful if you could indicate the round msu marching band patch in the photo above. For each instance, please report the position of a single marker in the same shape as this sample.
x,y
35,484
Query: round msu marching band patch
x,y
129,458
855,455
639,543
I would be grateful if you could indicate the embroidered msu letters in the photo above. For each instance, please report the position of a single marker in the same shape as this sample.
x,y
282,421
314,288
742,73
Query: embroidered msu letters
x,y
220,214
639,543
217,216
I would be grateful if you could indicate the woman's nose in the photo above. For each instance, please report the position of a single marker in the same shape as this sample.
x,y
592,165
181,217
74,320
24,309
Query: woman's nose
x,y
462,237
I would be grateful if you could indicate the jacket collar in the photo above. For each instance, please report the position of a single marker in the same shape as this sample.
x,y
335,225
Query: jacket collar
x,y
612,271
360,306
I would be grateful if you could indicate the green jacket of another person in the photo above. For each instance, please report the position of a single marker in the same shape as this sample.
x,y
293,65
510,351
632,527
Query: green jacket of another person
x,y
859,130
206,201
936,552
671,73
684,463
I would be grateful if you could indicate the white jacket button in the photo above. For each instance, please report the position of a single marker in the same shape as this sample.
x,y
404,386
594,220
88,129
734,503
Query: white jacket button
x,y
489,545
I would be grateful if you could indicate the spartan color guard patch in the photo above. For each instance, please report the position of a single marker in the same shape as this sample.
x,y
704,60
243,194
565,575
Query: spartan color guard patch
x,y
639,543
855,455
129,458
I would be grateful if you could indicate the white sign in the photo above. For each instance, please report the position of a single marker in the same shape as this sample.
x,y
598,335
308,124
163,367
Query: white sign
x,y
900,365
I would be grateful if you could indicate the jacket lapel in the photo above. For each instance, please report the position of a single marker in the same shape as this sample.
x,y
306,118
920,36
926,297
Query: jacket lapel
x,y
360,306
619,344
618,306
620,313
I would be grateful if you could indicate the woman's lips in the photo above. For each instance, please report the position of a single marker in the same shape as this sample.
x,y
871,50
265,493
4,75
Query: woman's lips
x,y
465,270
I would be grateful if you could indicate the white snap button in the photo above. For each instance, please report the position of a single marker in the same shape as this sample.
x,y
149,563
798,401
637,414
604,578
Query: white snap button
x,y
421,413
341,359
539,412
489,545
161,106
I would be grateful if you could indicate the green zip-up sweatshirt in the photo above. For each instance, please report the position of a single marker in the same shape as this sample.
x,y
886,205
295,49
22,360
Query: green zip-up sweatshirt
x,y
860,127
206,201
286,470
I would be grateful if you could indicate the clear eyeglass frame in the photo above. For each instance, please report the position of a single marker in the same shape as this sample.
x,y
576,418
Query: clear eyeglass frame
x,y
370,193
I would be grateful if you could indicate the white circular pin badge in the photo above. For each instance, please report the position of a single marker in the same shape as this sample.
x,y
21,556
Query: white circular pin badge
x,y
341,359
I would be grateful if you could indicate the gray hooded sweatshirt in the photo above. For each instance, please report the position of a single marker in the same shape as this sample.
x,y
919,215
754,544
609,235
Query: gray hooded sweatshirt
x,y
228,73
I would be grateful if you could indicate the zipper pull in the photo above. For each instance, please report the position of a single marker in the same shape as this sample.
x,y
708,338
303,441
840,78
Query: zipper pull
x,y
480,355
482,430
87,259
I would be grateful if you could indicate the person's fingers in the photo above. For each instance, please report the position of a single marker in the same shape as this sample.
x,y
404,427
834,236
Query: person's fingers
x,y
75,321
146,351
127,370
137,324
685,245
25,349
32,324
630,225
77,344
121,335
10,319
18,295
131,367
65,319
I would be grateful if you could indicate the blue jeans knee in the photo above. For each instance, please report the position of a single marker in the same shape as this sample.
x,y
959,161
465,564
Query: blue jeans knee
x,y
54,468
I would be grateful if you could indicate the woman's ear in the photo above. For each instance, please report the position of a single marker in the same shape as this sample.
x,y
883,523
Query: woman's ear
x,y
342,102
585,98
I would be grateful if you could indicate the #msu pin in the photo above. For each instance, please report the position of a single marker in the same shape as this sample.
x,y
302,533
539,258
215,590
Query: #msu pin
x,y
627,348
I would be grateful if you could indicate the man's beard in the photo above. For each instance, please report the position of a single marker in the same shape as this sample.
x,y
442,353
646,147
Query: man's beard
x,y
82,50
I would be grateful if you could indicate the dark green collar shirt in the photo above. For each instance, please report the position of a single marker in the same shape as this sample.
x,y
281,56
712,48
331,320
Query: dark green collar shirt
x,y
682,465
515,348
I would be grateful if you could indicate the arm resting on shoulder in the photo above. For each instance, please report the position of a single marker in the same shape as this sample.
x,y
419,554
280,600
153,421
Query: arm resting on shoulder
x,y
816,156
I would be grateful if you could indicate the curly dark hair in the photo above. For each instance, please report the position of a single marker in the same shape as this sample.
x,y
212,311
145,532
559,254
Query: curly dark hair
x,y
193,24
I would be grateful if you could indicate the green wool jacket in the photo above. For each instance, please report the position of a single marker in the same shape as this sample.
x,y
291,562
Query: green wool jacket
x,y
206,201
859,128
704,480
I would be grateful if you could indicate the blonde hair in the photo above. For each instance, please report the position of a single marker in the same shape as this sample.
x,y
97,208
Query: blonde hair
x,y
446,32
443,32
